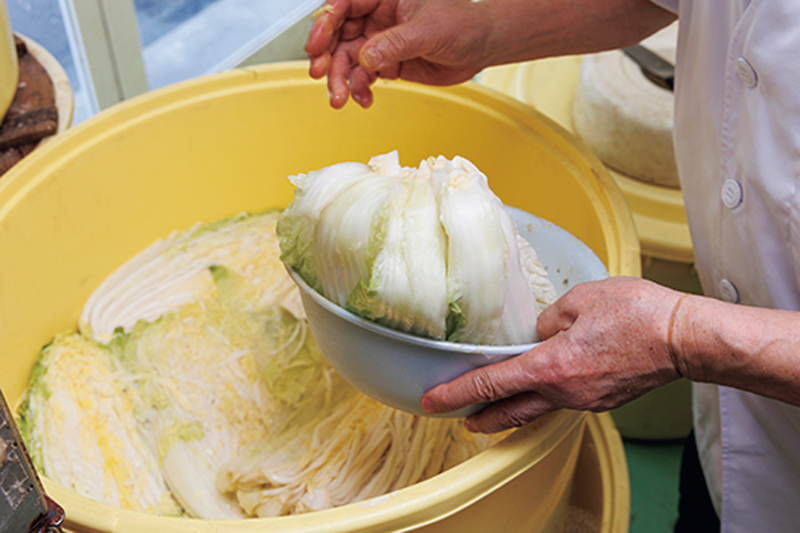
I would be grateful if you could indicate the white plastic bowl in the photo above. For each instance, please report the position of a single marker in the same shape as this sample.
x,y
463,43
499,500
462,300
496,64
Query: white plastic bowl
x,y
397,368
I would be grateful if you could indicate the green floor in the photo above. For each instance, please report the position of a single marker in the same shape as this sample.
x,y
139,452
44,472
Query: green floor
x,y
654,468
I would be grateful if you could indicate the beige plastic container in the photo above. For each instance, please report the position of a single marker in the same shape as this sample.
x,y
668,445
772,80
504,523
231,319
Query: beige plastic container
x,y
667,256
9,68
77,208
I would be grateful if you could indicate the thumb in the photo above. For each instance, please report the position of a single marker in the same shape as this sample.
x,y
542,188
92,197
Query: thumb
x,y
397,44
555,318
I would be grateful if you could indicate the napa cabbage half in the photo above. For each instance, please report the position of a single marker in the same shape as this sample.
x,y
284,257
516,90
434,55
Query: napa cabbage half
x,y
428,250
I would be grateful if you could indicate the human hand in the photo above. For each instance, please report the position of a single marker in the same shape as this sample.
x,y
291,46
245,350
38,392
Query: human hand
x,y
353,42
605,343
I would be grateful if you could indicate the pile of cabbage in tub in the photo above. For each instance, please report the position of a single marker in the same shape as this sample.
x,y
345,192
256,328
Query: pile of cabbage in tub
x,y
193,387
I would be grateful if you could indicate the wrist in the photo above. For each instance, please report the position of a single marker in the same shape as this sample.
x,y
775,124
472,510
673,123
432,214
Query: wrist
x,y
510,26
676,335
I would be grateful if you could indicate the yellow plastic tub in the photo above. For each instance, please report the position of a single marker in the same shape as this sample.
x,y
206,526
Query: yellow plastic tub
x,y
600,497
83,204
9,68
667,256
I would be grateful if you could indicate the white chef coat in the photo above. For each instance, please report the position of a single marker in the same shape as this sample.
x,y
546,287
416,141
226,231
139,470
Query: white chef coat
x,y
737,142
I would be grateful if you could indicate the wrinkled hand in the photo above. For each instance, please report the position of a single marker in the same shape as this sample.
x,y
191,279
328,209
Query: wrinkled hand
x,y
353,42
605,344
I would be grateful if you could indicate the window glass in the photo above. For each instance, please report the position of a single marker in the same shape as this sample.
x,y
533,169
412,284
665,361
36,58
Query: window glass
x,y
182,39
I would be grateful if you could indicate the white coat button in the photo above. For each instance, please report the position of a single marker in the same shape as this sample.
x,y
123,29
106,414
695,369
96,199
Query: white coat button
x,y
728,291
731,193
746,72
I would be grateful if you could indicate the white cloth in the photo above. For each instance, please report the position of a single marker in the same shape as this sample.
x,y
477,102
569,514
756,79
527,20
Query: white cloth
x,y
737,139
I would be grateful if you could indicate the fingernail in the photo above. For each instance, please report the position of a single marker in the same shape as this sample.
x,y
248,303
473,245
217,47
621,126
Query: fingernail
x,y
371,58
324,10
428,405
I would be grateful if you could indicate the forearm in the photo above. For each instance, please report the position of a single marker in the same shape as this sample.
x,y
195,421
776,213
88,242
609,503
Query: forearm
x,y
749,348
532,29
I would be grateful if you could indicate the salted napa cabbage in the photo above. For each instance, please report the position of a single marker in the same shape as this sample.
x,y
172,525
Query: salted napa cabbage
x,y
175,271
83,427
362,449
428,250
193,386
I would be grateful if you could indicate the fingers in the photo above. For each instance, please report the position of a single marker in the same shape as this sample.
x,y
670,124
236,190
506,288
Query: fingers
x,y
339,73
393,46
345,67
502,385
320,65
352,29
486,384
330,25
323,26
557,317
346,77
337,16
413,40
324,45
335,37
604,346
360,82
345,20
513,412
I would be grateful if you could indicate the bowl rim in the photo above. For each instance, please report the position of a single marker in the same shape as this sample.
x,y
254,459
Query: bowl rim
x,y
456,348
